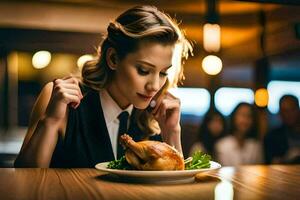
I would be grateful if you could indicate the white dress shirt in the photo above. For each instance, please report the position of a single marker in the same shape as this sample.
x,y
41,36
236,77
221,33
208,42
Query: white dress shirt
x,y
111,111
229,153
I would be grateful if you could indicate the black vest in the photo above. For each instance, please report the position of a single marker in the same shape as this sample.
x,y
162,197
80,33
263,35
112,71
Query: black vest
x,y
86,140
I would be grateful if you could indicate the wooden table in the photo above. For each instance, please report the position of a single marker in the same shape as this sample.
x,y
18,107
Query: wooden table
x,y
245,182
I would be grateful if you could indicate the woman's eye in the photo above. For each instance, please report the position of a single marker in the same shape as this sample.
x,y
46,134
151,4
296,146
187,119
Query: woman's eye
x,y
163,73
142,71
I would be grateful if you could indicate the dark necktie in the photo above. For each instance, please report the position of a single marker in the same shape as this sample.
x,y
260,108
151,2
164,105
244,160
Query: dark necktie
x,y
123,118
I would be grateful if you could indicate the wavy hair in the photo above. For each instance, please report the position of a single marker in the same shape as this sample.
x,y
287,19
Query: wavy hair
x,y
136,25
205,135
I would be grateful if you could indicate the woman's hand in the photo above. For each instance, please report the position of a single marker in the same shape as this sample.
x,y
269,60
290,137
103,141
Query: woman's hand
x,y
65,92
167,113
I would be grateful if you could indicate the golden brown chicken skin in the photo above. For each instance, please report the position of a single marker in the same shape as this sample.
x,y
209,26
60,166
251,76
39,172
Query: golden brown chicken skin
x,y
151,155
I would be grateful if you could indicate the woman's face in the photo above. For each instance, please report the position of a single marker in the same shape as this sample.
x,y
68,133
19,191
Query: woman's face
x,y
243,119
216,125
141,74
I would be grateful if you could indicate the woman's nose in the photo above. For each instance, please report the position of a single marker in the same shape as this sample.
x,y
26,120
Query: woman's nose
x,y
153,84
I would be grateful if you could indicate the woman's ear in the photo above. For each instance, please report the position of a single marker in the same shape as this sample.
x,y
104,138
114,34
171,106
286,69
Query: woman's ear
x,y
111,58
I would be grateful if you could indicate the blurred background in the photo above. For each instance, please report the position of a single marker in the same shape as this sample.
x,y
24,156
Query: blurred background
x,y
244,51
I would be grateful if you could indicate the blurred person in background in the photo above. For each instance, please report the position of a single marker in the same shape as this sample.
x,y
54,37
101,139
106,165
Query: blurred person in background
x,y
282,144
241,145
212,128
75,121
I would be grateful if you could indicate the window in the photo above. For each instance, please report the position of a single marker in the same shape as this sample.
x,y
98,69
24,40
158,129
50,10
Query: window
x,y
194,101
227,98
277,89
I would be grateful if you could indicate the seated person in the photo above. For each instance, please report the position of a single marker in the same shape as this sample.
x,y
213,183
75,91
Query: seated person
x,y
76,122
282,144
241,146
212,128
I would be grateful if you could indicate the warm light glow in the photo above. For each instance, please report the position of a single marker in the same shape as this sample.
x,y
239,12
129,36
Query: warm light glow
x,y
227,98
279,88
212,65
193,101
261,97
83,59
224,191
41,59
211,37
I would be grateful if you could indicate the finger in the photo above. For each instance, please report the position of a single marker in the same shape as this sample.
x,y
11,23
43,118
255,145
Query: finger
x,y
165,100
158,98
57,81
67,78
72,92
158,101
71,79
161,111
69,98
61,89
166,105
63,81
72,86
74,105
156,115
173,104
156,109
61,84
173,100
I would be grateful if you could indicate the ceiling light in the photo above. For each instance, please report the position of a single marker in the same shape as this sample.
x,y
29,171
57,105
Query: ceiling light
x,y
41,59
212,65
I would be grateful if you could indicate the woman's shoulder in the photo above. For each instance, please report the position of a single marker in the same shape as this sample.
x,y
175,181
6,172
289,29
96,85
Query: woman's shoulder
x,y
253,142
226,139
225,142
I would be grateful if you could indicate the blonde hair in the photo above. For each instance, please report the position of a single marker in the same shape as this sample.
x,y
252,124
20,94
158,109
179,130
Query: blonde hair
x,y
138,24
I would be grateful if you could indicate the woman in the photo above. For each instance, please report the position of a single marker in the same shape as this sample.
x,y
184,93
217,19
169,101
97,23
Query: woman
x,y
212,128
75,123
241,146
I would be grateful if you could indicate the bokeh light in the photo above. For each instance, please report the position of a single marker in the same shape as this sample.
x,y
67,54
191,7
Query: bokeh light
x,y
41,59
212,65
261,97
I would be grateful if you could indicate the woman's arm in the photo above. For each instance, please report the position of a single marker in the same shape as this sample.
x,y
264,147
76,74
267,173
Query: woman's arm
x,y
40,138
47,119
167,113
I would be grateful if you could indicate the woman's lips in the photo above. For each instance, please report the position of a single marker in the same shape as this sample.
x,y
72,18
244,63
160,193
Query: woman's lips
x,y
145,97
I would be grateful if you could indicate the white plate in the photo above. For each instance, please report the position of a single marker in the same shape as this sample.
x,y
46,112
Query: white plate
x,y
179,176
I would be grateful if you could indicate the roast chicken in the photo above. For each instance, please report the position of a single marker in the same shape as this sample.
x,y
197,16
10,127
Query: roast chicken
x,y
151,155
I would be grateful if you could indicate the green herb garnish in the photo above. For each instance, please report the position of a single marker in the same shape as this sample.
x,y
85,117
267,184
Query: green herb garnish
x,y
199,160
119,164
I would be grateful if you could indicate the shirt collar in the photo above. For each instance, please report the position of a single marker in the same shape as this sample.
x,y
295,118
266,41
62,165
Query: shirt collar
x,y
111,109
